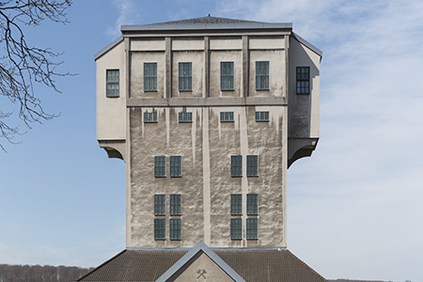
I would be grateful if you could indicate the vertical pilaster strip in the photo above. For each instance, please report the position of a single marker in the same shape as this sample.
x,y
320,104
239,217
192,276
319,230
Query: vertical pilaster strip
x,y
206,67
245,66
168,67
127,62
286,88
128,154
206,176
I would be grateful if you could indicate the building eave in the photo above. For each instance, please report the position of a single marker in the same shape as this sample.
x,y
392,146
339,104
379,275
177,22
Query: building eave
x,y
108,47
307,44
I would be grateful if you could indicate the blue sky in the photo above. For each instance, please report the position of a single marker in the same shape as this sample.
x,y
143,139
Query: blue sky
x,y
354,208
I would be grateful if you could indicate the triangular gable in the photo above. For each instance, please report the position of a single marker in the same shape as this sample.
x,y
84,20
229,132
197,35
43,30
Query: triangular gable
x,y
194,253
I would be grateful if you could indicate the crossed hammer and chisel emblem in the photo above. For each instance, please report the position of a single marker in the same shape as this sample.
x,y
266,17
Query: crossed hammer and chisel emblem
x,y
202,273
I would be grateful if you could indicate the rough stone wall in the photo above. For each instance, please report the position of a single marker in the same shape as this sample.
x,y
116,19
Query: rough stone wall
x,y
243,137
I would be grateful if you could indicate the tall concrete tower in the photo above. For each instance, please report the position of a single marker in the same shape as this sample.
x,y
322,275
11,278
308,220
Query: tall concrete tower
x,y
208,114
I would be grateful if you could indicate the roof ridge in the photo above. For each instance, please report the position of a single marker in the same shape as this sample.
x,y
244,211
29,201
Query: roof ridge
x,y
206,19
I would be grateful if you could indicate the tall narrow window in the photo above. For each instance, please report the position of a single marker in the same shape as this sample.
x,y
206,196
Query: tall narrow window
x,y
236,166
252,204
112,81
160,166
236,228
150,76
159,229
262,75
252,165
159,204
236,204
303,80
226,116
226,75
185,76
150,117
185,117
175,229
251,228
175,166
262,116
175,204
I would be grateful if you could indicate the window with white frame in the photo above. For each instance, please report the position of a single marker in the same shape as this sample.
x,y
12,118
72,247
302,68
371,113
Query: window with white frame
x,y
159,166
175,166
262,116
226,75
252,165
185,76
150,117
112,83
150,76
236,166
262,75
185,117
226,116
303,80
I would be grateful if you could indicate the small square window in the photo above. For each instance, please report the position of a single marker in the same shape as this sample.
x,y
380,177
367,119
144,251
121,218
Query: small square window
x,y
185,117
251,228
252,164
160,166
112,83
175,229
150,76
236,204
159,229
175,204
236,228
303,80
236,166
226,75
159,204
150,117
226,116
262,75
262,116
252,204
175,166
185,76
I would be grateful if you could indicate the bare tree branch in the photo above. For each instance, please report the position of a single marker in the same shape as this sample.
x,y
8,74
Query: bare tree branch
x,y
22,65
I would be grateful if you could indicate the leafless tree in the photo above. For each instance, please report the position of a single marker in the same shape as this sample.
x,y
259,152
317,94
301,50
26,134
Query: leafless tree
x,y
23,65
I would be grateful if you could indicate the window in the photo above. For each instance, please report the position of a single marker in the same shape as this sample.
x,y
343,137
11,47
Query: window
x,y
185,117
262,116
251,228
159,204
252,204
150,76
226,116
160,166
303,80
175,229
252,165
262,75
112,83
159,229
236,228
236,166
226,75
236,204
150,117
175,204
175,166
185,76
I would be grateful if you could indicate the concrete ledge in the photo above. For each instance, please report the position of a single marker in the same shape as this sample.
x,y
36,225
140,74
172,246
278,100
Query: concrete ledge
x,y
206,102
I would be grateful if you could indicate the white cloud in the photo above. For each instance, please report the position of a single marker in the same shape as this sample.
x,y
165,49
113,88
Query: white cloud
x,y
127,15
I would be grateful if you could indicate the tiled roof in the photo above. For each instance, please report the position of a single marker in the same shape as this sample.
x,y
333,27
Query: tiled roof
x,y
252,265
208,20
